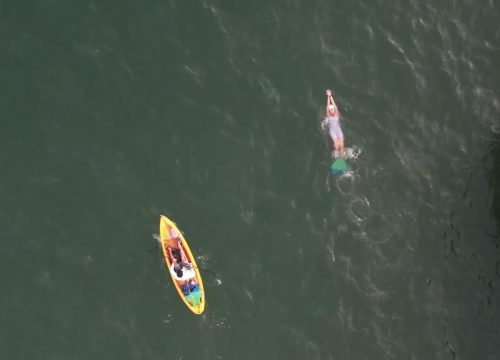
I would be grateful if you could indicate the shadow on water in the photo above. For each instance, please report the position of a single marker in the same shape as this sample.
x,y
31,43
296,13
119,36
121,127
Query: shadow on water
x,y
463,298
494,182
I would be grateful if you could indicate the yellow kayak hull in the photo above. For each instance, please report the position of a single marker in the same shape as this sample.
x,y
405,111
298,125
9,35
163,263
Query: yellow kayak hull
x,y
197,305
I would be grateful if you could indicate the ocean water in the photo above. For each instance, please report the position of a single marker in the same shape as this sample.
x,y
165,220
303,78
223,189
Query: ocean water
x,y
112,113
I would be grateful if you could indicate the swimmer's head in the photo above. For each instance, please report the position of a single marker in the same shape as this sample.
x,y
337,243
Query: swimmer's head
x,y
331,107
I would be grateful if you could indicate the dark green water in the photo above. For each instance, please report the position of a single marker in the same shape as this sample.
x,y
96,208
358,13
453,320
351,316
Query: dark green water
x,y
112,113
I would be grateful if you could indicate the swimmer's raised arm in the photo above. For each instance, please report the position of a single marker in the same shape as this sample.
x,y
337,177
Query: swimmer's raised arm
x,y
331,106
328,97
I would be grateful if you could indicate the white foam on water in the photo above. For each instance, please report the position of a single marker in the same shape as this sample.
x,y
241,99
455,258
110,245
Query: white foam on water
x,y
359,209
350,153
325,124
202,260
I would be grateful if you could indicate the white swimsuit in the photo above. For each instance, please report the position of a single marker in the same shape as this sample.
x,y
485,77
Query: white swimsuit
x,y
335,130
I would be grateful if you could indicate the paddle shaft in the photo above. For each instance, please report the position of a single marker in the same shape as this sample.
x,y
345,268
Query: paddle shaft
x,y
205,270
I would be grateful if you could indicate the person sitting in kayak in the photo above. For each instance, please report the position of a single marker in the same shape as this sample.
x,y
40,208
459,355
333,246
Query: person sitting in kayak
x,y
175,253
177,268
181,271
333,120
189,287
173,246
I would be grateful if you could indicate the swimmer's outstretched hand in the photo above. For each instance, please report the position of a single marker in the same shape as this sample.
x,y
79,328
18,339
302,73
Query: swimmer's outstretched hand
x,y
328,92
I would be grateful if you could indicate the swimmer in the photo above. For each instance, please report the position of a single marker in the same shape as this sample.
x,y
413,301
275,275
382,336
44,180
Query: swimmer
x,y
333,119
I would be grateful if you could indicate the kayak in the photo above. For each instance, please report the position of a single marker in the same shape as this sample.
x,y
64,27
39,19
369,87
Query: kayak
x,y
178,255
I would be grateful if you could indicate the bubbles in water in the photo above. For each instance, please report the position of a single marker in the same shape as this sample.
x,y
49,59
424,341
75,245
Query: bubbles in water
x,y
157,237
